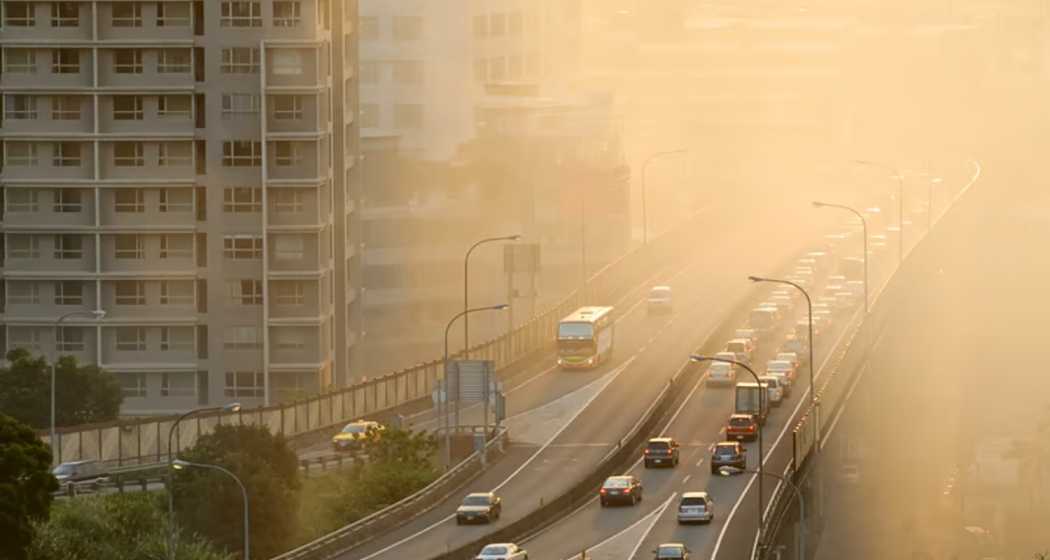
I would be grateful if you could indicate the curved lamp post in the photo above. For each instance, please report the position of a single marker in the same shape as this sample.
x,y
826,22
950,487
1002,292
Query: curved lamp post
x,y
761,402
97,315
444,363
645,166
179,464
864,225
231,407
809,303
801,554
466,283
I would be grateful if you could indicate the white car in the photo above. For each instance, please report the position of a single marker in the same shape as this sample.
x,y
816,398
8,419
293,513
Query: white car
x,y
721,373
502,551
696,506
659,299
774,388
776,367
749,334
788,356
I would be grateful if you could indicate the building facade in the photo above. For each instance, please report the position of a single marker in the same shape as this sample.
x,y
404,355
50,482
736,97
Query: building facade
x,y
187,167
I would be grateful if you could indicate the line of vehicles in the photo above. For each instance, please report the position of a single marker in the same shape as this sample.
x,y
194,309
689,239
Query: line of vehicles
x,y
585,340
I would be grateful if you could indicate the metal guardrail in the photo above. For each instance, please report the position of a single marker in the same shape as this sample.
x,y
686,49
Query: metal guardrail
x,y
145,440
365,529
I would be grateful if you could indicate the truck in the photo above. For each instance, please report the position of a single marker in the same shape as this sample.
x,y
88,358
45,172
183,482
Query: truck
x,y
749,400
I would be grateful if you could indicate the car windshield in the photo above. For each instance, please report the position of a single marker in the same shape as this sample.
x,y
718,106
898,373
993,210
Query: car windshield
x,y
355,429
476,501
693,501
720,366
669,552
494,550
575,330
779,364
736,347
616,483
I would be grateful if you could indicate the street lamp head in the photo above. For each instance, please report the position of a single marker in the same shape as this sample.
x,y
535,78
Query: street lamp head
x,y
514,237
232,407
698,358
500,307
179,464
99,314
818,204
755,278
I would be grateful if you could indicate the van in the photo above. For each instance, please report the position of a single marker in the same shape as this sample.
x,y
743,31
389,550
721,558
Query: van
x,y
742,347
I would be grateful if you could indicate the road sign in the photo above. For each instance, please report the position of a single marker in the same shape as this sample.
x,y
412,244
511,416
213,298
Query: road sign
x,y
468,380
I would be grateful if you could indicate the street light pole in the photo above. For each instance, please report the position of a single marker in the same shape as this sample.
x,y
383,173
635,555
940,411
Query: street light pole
x,y
801,554
809,304
466,283
761,406
98,315
900,201
180,464
231,407
864,225
645,166
444,363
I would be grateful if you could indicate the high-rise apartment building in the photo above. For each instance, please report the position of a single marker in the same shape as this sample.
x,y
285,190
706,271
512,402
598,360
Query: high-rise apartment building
x,y
188,167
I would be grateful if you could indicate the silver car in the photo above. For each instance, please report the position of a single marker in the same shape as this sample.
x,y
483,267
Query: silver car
x,y
696,507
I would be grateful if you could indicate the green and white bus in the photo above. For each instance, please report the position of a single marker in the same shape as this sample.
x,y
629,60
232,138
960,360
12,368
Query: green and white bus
x,y
585,338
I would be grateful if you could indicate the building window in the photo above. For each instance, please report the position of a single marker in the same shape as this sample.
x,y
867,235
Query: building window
x,y
65,14
244,292
369,27
23,246
407,72
241,153
514,23
66,154
176,246
178,384
127,107
287,154
287,201
133,385
481,70
480,26
369,72
127,61
65,61
65,108
369,115
127,14
286,14
23,293
174,154
130,246
290,293
19,14
131,339
241,338
128,154
241,13
70,339
173,61
69,293
68,247
408,115
288,247
129,200
68,201
239,104
176,292
241,384
242,247
19,61
240,200
20,107
497,69
287,107
25,337
173,14
408,28
240,60
21,154
287,62
290,340
175,106
130,292
22,200
176,200
497,24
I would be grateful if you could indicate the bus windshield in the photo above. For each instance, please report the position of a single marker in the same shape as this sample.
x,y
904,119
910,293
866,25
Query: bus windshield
x,y
575,330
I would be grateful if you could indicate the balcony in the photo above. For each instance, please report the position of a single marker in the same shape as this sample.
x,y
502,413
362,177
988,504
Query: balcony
x,y
41,115
135,254
150,301
41,68
295,113
46,162
298,345
146,68
146,115
72,23
36,299
147,347
295,300
292,67
299,208
297,161
145,209
50,254
78,340
145,21
147,161
48,209
296,252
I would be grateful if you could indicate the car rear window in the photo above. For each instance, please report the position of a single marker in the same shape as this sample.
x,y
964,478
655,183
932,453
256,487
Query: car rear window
x,y
476,501
658,445
491,550
739,422
616,483
692,501
725,450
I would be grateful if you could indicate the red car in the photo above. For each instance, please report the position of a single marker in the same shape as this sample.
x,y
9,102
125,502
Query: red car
x,y
742,426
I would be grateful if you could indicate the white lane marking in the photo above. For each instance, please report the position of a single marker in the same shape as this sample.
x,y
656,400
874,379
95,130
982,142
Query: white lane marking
x,y
651,525
580,444
655,513
615,373
700,462
531,379
686,479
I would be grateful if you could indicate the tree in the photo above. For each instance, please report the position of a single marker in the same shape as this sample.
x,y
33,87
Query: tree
x,y
83,395
26,485
115,527
209,503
